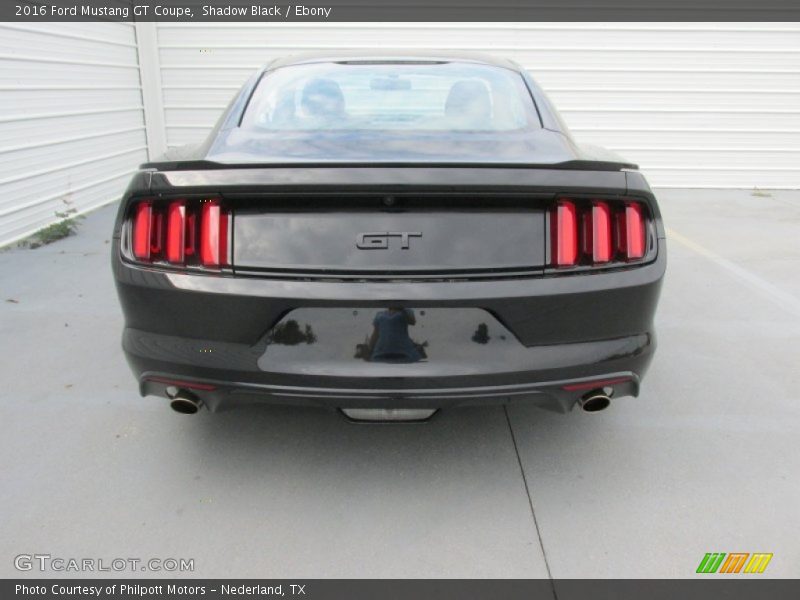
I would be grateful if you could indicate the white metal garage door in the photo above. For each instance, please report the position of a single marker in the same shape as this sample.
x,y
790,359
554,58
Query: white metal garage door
x,y
71,120
696,105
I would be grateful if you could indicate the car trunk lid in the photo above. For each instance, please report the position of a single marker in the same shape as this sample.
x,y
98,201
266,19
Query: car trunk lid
x,y
389,242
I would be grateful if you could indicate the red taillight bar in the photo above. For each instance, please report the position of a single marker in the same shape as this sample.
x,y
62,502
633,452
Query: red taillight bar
x,y
213,235
176,231
564,227
601,233
141,230
635,230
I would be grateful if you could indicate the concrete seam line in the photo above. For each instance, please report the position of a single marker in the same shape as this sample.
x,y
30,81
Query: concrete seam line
x,y
530,501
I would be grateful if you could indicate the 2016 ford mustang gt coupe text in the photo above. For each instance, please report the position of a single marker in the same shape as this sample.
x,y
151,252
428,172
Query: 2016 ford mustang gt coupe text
x,y
389,235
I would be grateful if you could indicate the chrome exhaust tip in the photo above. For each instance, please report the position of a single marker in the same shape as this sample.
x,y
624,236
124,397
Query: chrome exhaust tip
x,y
185,403
595,401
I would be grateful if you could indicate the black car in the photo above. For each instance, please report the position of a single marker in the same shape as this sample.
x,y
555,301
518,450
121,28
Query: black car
x,y
389,235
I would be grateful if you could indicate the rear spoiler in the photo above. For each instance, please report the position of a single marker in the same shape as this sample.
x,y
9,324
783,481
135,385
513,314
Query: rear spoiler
x,y
209,165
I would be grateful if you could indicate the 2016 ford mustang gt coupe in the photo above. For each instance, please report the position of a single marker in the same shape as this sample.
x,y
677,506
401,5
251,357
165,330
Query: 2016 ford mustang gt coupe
x,y
389,235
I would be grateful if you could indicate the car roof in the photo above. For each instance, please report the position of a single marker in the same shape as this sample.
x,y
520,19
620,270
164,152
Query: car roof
x,y
392,56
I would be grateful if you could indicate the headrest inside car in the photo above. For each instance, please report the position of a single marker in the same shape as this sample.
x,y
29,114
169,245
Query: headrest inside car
x,y
323,98
468,100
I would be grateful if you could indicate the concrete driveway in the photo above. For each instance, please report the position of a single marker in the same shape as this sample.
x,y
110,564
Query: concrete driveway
x,y
706,460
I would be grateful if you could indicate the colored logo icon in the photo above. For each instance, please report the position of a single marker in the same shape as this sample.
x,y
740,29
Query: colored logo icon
x,y
734,562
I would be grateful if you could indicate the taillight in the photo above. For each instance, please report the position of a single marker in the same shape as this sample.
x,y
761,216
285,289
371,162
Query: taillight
x,y
601,232
634,230
564,226
597,232
142,217
181,233
213,235
176,231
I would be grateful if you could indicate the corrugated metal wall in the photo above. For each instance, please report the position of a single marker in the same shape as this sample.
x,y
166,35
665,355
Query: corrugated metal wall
x,y
697,105
706,105
71,119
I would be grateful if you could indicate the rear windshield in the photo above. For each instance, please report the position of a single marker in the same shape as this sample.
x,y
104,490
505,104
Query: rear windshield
x,y
390,97
382,112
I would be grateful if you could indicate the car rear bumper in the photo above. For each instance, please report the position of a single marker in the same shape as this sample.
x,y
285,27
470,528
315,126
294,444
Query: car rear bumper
x,y
556,389
543,334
